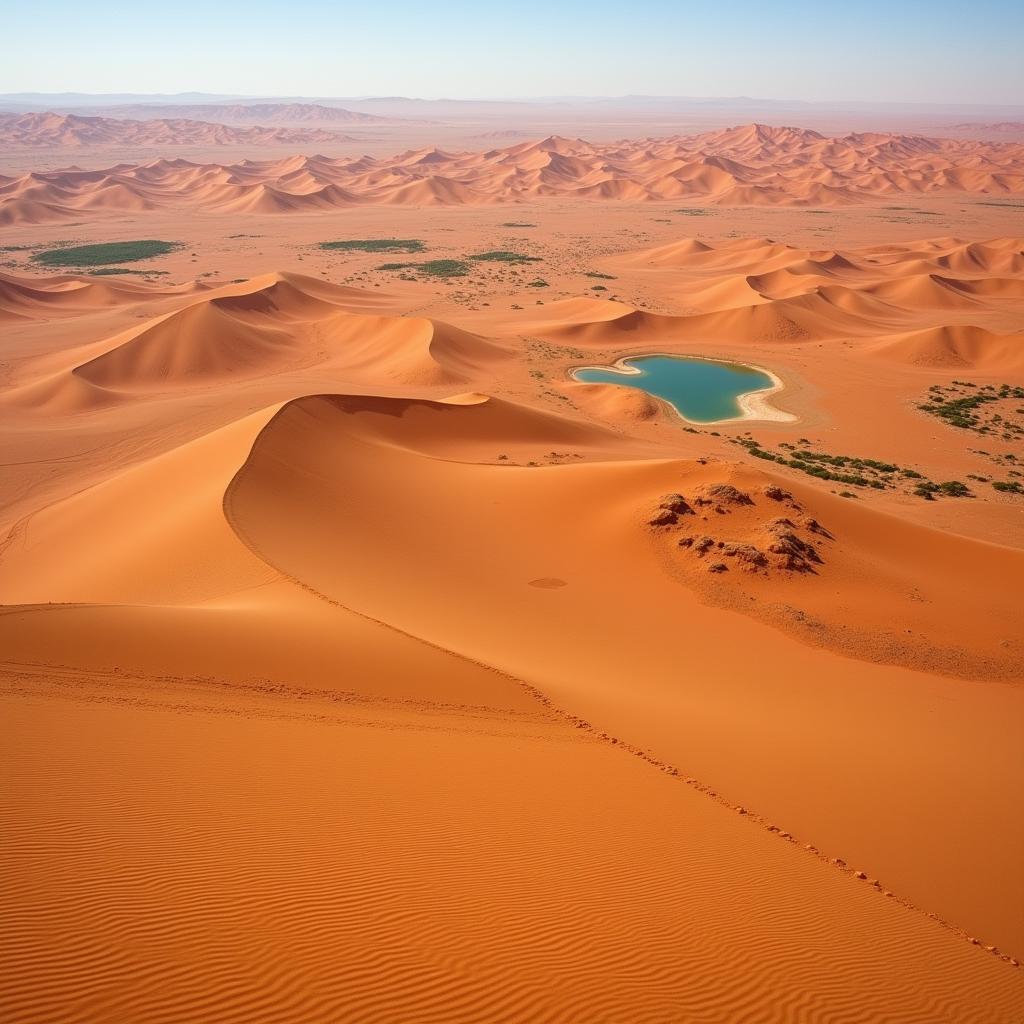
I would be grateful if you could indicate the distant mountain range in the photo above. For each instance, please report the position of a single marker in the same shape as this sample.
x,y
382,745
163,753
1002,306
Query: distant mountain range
x,y
49,129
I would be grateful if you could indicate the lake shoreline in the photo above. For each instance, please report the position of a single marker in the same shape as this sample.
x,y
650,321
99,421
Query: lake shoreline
x,y
753,405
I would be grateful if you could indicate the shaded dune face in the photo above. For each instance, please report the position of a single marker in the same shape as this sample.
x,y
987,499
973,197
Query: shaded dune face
x,y
890,297
197,345
749,165
334,481
26,299
278,324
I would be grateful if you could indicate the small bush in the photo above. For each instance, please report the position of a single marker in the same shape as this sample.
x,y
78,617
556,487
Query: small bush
x,y
954,489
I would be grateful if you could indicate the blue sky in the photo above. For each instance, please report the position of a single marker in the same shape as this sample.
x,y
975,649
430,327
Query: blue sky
x,y
901,50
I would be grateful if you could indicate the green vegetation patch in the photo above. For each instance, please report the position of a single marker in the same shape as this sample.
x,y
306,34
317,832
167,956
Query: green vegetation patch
x,y
107,271
517,224
1008,486
927,489
855,471
105,252
409,245
503,256
966,405
433,268
598,274
692,211
912,209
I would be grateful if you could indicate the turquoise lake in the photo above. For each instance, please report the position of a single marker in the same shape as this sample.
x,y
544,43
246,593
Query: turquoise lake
x,y
701,390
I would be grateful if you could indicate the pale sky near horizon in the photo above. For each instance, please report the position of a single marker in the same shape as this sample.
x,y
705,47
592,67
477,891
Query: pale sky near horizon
x,y
900,50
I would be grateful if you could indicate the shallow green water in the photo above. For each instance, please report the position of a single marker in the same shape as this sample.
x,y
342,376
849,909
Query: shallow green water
x,y
702,390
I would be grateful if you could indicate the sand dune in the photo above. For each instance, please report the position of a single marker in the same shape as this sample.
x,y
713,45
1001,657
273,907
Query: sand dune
x,y
750,165
892,297
272,325
987,129
24,299
954,346
308,444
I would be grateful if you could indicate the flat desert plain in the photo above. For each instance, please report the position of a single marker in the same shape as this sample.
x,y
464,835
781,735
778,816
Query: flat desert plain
x,y
360,663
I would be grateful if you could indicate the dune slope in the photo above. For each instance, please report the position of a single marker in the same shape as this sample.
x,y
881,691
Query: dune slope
x,y
747,165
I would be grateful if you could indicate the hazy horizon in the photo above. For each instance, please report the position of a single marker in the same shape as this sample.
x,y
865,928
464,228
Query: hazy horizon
x,y
916,52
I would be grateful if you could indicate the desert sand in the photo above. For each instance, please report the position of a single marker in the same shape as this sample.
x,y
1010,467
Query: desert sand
x,y
359,664
747,165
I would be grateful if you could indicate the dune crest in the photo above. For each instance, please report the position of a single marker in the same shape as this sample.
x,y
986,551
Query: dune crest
x,y
748,165
269,325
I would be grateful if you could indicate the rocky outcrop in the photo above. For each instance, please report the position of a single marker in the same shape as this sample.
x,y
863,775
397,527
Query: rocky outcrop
x,y
746,554
755,541
722,495
669,509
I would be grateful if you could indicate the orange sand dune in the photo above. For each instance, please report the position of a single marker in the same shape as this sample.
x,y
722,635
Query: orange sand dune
x,y
359,664
750,165
319,433
957,345
268,326
32,298
320,491
894,296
